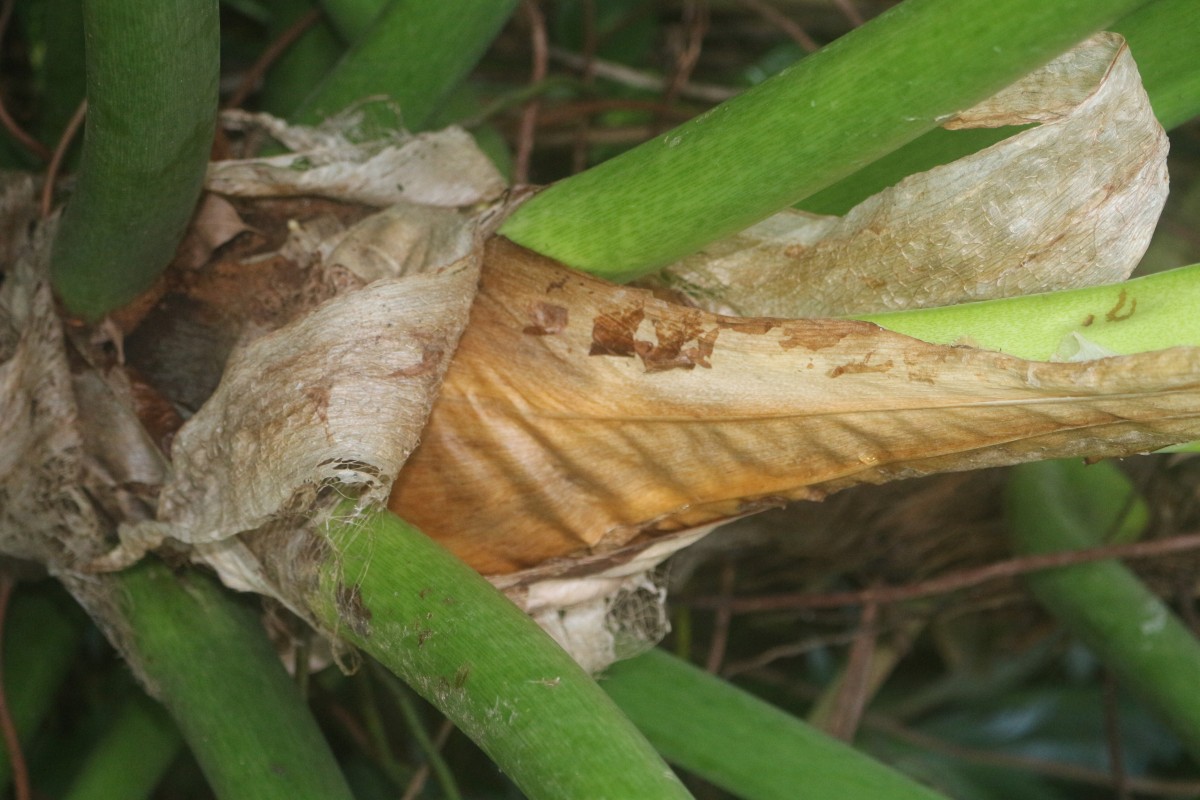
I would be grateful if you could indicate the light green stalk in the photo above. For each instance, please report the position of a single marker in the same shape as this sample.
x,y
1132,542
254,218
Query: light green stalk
x,y
738,742
152,69
861,97
1149,313
1064,505
467,649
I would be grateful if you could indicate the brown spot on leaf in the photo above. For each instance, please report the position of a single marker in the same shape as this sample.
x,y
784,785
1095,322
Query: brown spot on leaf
x,y
546,319
1089,319
460,676
352,610
810,336
750,327
673,335
613,332
858,367
920,370
1114,314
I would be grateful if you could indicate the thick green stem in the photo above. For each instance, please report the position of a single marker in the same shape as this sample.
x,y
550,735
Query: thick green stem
x,y
467,649
858,99
152,69
414,52
205,655
1055,506
131,757
742,744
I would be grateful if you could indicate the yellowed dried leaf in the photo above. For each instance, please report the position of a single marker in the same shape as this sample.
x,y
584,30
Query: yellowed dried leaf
x,y
1071,202
580,417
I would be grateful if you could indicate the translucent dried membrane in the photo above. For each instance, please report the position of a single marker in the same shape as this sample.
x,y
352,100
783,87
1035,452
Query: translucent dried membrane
x,y
1071,202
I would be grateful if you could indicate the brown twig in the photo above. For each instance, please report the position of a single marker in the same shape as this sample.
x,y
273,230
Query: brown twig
x,y
541,44
16,131
965,579
351,725
1112,737
789,650
623,135
720,637
567,112
785,23
11,741
855,688
850,12
421,776
60,153
1186,603
286,38
579,149
695,26
619,73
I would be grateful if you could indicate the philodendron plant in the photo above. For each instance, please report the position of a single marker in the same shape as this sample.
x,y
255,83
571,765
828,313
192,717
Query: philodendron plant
x,y
426,340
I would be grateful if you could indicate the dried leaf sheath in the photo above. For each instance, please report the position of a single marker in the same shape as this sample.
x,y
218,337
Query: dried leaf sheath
x,y
579,415
1071,202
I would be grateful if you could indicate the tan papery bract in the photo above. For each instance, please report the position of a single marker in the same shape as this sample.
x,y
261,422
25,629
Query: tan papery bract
x,y
45,514
437,168
579,417
1072,202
